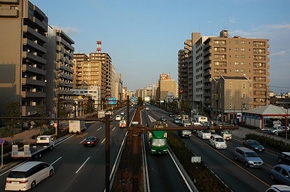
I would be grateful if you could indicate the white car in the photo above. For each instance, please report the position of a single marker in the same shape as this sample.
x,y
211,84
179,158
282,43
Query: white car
x,y
118,117
279,129
204,134
27,175
217,142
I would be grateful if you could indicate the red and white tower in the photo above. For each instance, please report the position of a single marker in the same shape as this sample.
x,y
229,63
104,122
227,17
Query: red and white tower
x,y
99,49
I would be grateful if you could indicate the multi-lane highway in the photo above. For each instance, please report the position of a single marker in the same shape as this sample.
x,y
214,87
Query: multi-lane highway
x,y
79,168
234,174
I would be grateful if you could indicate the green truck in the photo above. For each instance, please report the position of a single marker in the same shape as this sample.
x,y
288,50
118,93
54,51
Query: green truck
x,y
158,141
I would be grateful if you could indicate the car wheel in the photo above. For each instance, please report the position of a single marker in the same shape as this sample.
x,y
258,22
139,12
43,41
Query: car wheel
x,y
236,158
33,184
272,177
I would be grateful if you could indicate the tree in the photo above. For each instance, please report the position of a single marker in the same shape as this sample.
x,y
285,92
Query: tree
x,y
12,125
41,124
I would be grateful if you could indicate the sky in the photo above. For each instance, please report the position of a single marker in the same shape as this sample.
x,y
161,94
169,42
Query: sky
x,y
143,37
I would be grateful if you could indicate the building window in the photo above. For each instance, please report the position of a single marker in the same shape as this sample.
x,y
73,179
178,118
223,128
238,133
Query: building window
x,y
243,85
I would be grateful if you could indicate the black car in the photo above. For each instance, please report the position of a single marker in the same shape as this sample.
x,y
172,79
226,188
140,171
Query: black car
x,y
163,118
90,141
254,145
284,157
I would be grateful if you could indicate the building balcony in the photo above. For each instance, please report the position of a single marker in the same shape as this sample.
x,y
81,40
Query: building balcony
x,y
35,58
27,68
40,24
26,81
26,94
35,34
39,48
28,110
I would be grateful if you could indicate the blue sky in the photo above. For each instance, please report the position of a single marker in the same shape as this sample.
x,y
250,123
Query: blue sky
x,y
143,37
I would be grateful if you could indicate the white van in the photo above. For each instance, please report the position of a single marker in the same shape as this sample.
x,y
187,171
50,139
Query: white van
x,y
27,175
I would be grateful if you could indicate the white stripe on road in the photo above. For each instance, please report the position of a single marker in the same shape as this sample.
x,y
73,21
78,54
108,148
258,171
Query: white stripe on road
x,y
82,165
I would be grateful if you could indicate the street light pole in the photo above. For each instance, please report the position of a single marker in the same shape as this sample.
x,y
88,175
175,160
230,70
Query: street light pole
x,y
107,153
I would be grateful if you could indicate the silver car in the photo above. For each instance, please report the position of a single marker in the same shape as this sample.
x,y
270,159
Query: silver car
x,y
248,157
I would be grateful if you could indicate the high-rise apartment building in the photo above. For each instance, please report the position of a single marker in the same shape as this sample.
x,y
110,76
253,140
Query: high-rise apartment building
x,y
225,56
59,71
167,87
94,70
22,63
237,57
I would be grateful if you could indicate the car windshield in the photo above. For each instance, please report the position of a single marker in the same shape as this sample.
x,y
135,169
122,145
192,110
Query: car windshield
x,y
256,143
158,142
219,139
228,131
251,154
205,131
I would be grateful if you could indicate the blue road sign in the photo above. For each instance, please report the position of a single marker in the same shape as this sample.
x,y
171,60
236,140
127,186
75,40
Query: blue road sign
x,y
112,101
133,99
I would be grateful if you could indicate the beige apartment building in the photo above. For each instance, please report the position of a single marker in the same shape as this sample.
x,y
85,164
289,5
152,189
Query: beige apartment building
x,y
167,87
94,70
225,56
22,63
230,96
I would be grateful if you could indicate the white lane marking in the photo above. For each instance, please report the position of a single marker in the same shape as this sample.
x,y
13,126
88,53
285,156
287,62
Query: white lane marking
x,y
56,161
113,128
82,164
99,128
82,140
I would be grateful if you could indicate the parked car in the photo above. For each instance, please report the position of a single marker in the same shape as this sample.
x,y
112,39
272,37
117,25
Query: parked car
x,y
217,141
279,129
284,157
281,174
254,145
248,157
204,134
27,175
90,141
278,188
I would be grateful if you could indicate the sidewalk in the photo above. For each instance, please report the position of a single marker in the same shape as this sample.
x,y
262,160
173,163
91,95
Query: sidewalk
x,y
24,137
242,132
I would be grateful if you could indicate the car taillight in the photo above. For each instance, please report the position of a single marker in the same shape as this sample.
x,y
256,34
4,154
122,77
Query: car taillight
x,y
93,142
85,142
24,181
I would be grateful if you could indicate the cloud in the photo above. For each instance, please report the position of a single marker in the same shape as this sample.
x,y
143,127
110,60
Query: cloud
x,y
264,31
281,53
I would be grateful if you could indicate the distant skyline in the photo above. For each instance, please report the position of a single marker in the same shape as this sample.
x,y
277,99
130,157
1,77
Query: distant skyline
x,y
143,37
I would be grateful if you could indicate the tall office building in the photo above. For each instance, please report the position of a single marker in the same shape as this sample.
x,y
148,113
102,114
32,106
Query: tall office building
x,y
22,64
225,56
